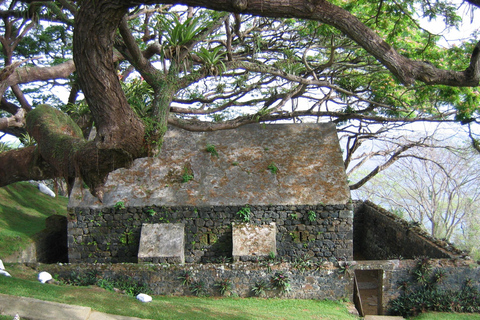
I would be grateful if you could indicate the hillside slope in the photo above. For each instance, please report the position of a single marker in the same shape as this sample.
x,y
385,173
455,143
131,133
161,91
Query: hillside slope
x,y
23,210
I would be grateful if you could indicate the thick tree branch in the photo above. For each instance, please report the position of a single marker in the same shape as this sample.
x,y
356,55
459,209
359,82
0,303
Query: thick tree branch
x,y
118,127
13,75
406,70
16,121
23,164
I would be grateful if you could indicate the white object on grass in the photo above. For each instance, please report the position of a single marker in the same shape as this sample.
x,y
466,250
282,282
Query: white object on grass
x,y
2,267
4,273
144,297
44,277
44,189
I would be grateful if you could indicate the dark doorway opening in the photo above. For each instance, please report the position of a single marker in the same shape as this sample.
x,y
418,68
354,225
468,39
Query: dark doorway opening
x,y
368,292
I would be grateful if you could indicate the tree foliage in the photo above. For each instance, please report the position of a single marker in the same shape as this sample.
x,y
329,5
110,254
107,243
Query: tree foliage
x,y
131,69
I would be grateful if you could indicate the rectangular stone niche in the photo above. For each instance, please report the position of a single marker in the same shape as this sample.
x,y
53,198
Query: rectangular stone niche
x,y
162,242
253,241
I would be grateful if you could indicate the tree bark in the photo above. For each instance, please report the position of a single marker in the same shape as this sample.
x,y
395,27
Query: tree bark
x,y
23,164
117,125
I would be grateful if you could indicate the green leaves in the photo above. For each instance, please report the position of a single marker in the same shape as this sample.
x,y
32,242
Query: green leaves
x,y
212,60
177,33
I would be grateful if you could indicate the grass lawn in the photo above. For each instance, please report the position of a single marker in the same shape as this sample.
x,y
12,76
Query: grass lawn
x,y
23,210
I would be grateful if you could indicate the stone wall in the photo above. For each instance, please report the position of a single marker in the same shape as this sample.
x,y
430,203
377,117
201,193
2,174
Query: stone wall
x,y
394,272
380,235
319,281
325,282
112,235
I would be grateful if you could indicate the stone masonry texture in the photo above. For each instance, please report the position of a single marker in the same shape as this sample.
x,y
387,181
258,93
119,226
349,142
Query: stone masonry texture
x,y
113,235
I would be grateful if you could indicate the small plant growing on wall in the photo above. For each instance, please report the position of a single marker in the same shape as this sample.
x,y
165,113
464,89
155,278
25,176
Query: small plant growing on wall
x,y
187,175
224,286
151,212
312,216
345,266
245,213
212,150
260,288
119,205
280,281
126,238
273,168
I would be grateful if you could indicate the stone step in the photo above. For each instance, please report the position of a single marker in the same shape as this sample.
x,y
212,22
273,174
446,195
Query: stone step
x,y
35,309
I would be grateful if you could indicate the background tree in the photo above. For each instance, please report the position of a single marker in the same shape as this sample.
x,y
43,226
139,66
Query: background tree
x,y
434,187
369,67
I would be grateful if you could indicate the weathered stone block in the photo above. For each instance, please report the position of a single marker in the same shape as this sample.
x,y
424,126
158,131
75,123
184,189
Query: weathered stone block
x,y
162,240
251,241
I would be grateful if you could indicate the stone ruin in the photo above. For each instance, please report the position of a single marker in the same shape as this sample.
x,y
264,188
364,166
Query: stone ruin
x,y
246,195
190,204
288,176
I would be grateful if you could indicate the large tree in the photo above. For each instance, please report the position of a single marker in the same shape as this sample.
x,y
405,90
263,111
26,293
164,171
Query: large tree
x,y
357,63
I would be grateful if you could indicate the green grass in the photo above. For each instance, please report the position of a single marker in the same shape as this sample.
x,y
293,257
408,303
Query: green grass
x,y
23,283
23,210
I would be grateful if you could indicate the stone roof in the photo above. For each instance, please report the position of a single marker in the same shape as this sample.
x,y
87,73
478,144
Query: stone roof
x,y
307,156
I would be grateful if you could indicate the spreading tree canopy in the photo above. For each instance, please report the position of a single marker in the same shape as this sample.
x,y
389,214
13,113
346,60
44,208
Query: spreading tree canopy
x,y
131,68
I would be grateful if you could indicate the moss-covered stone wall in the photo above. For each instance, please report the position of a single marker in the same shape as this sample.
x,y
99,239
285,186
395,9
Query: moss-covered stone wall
x,y
322,232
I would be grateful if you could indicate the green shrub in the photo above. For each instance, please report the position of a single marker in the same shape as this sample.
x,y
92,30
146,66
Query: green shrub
x,y
198,288
260,288
426,299
224,286
421,294
125,284
186,278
